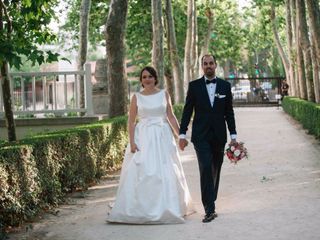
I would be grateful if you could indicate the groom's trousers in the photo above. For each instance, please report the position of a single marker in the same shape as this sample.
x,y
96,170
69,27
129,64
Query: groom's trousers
x,y
210,157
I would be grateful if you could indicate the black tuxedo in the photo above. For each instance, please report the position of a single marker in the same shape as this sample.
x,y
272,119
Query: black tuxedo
x,y
209,134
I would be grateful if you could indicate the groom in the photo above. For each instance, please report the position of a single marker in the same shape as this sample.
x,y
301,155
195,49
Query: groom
x,y
210,99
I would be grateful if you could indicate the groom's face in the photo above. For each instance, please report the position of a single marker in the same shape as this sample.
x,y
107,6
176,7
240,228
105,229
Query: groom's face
x,y
209,66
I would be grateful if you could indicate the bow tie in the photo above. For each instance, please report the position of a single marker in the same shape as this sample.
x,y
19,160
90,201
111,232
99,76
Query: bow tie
x,y
211,81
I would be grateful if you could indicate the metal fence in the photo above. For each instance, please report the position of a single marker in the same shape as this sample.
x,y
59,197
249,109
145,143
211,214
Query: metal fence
x,y
57,93
260,90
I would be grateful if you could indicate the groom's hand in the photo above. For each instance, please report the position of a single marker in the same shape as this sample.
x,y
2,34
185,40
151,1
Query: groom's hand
x,y
233,142
183,143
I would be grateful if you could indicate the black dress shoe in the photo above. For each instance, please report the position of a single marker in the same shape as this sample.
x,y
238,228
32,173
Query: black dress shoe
x,y
209,217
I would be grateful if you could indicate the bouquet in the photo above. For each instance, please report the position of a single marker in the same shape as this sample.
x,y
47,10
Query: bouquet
x,y
236,152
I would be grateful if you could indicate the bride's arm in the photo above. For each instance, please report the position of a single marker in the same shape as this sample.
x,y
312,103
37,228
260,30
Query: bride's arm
x,y
171,117
131,122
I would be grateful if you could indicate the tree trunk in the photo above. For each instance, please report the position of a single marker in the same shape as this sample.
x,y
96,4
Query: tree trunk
x,y
169,81
296,89
306,50
314,26
316,69
206,40
174,57
314,20
290,76
115,36
5,81
194,44
6,93
300,62
187,48
169,84
282,54
157,40
83,45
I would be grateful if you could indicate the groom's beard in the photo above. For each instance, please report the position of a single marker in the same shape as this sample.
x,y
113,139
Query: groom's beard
x,y
209,73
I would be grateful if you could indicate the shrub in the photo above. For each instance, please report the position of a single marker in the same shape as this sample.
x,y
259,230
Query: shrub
x,y
307,113
36,172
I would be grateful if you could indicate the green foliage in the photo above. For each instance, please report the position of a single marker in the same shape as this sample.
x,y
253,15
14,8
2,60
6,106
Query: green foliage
x,y
307,113
36,172
259,41
226,38
27,31
139,32
97,19
178,109
20,187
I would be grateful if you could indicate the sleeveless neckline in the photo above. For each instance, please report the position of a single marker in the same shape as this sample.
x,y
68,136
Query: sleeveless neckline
x,y
151,94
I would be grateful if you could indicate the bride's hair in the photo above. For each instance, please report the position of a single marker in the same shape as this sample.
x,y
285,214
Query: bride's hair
x,y
152,71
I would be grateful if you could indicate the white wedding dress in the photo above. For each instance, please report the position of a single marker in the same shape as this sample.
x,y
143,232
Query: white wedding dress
x,y
152,188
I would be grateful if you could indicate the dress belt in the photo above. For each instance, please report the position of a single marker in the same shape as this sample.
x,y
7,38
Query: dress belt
x,y
151,121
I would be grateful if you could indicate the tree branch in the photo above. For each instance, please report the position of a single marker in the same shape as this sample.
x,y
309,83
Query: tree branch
x,y
4,7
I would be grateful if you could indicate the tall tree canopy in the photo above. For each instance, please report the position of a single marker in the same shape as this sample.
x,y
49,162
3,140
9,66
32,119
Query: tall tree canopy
x,y
23,28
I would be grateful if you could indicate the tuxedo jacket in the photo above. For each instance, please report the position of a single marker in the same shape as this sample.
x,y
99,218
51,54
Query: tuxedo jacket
x,y
208,121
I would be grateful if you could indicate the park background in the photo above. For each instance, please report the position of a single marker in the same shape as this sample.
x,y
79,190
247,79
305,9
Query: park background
x,y
256,39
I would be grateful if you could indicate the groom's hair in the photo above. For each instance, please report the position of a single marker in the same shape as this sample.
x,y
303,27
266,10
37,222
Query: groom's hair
x,y
208,55
152,71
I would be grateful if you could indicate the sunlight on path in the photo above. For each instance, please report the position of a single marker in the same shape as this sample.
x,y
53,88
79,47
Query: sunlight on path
x,y
275,194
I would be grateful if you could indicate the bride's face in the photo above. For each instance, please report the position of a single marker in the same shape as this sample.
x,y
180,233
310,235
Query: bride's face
x,y
147,80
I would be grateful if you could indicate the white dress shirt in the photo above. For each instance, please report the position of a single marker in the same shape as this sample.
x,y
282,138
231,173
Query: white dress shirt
x,y
211,88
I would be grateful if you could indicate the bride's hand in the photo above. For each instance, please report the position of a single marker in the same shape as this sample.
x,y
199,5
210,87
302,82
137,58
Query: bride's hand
x,y
134,148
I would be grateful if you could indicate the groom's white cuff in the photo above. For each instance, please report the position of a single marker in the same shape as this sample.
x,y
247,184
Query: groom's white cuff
x,y
182,136
233,136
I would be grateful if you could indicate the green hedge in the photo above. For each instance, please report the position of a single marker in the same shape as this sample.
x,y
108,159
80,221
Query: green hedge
x,y
35,173
307,113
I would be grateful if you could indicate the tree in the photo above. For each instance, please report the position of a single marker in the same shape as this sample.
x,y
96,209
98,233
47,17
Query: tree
x,y
314,19
157,40
194,43
23,28
207,37
188,46
314,23
289,34
300,62
115,36
277,40
83,44
97,19
173,52
306,46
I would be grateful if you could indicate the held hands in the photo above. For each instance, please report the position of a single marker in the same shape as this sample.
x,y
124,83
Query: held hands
x,y
183,143
134,148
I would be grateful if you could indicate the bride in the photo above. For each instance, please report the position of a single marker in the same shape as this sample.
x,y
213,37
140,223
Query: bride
x,y
152,188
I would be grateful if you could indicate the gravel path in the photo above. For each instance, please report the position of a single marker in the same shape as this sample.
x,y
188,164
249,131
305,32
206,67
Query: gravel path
x,y
275,194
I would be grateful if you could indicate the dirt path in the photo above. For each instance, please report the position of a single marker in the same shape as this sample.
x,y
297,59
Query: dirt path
x,y
273,195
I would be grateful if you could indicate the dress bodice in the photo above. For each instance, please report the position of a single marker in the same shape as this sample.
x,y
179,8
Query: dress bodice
x,y
154,105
